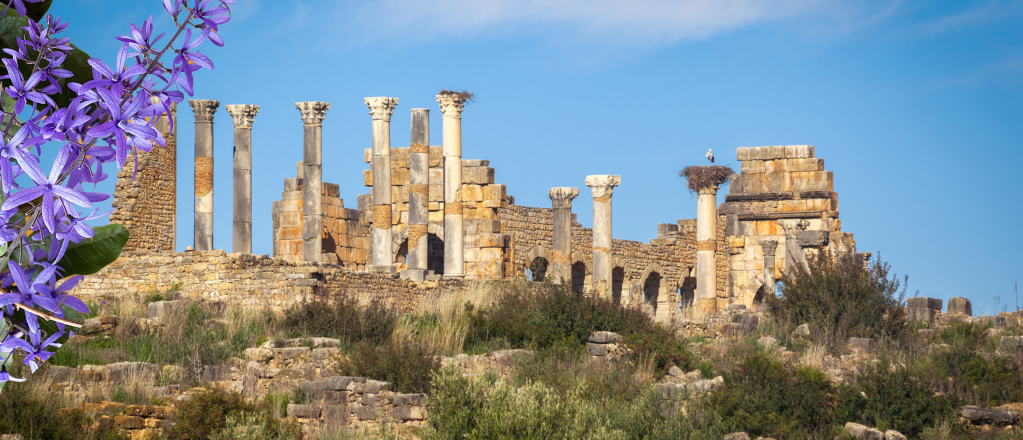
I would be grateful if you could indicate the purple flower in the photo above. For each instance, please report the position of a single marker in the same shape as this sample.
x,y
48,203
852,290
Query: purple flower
x,y
21,89
35,349
186,58
139,38
19,5
5,376
124,126
8,150
48,187
26,295
121,76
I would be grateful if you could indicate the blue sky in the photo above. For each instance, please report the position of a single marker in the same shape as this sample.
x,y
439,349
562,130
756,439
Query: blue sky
x,y
914,105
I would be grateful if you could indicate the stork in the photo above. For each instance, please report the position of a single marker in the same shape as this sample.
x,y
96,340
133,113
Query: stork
x,y
710,156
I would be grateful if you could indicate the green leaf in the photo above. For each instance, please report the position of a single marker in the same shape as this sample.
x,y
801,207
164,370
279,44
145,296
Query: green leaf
x,y
91,255
37,11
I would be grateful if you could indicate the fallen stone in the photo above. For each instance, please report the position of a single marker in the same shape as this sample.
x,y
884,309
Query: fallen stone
x,y
802,331
748,324
675,371
604,337
129,422
291,352
261,371
156,310
303,411
506,357
709,385
924,302
216,373
92,325
861,432
596,349
259,354
990,416
736,436
960,305
892,434
954,318
671,390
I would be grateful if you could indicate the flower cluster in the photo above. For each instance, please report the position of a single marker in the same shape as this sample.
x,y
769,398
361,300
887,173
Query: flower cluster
x,y
105,120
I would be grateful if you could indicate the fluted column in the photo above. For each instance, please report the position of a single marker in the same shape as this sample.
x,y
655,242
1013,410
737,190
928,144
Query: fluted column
x,y
706,246
561,264
243,116
602,186
419,193
204,109
769,247
451,106
381,108
313,113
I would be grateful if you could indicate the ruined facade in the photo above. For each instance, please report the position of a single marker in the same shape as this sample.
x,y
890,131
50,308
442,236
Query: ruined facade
x,y
780,208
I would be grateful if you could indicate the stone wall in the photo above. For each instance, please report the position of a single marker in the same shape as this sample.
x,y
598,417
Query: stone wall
x,y
782,194
145,198
346,239
244,280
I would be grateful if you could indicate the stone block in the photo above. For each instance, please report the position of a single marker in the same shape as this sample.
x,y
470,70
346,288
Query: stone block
x,y
860,432
671,390
478,175
472,193
291,352
159,309
365,413
923,314
953,318
409,413
990,416
475,162
923,301
602,337
596,349
408,399
334,414
303,411
339,383
960,305
748,324
892,434
376,386
813,238
216,373
736,436
798,151
129,422
1009,344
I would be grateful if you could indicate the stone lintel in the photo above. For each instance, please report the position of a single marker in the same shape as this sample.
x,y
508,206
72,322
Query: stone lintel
x,y
788,215
774,152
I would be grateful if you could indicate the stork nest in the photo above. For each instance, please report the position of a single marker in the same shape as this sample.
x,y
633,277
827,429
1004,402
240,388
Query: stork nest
x,y
463,95
700,177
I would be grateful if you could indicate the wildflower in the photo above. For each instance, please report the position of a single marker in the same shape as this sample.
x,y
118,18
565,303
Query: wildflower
x,y
48,187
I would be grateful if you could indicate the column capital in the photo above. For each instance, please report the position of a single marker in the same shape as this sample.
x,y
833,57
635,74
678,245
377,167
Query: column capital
x,y
769,247
313,112
562,196
709,191
381,107
204,109
243,114
603,185
451,105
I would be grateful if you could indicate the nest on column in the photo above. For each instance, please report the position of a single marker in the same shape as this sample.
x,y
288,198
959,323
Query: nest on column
x,y
463,95
701,177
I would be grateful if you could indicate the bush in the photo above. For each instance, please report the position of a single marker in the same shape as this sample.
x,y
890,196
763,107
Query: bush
x,y
341,317
405,365
842,299
889,397
36,414
208,413
972,378
764,397
540,315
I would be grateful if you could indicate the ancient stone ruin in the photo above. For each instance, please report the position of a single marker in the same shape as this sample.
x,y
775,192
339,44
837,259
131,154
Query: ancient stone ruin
x,y
431,219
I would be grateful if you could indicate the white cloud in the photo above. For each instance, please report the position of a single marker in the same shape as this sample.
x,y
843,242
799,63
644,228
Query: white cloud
x,y
624,21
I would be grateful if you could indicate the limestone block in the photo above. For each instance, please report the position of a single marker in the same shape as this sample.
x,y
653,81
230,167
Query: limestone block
x,y
472,193
367,155
367,178
861,344
809,181
923,301
303,411
960,305
735,183
991,416
436,193
602,337
478,175
490,240
813,238
752,167
596,349
400,176
436,156
129,422
747,153
475,162
798,151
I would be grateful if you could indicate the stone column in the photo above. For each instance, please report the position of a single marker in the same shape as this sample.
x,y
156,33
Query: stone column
x,y
204,110
769,247
561,264
418,194
243,116
454,259
313,113
381,109
706,246
602,187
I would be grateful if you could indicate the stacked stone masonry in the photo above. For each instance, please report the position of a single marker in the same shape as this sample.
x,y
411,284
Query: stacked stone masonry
x,y
782,195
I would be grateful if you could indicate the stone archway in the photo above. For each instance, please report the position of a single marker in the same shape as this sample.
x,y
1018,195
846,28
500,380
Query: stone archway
x,y
617,281
537,269
578,276
652,291
434,248
687,292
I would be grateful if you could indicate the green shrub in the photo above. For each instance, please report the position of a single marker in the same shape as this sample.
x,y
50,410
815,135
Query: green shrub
x,y
208,413
840,298
764,397
37,414
540,315
889,397
405,365
974,379
341,317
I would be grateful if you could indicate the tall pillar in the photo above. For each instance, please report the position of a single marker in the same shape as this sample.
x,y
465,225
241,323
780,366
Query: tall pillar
x,y
313,113
243,116
203,110
602,187
769,247
381,109
451,106
418,193
706,246
561,264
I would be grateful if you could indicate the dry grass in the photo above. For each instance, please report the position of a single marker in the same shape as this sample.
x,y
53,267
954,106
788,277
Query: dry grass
x,y
441,322
814,356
